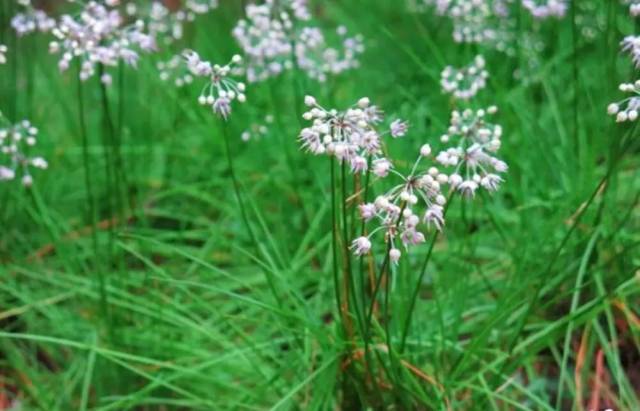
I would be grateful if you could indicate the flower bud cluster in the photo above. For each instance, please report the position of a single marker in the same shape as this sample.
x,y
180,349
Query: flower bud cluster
x,y
419,199
351,136
627,109
276,36
221,89
472,156
3,53
167,25
421,196
542,9
15,144
98,36
464,83
31,19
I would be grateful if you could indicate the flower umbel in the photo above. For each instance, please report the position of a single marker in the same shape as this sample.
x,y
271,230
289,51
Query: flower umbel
x,y
352,135
472,156
31,19
465,83
627,109
277,36
221,89
15,143
417,200
98,36
541,9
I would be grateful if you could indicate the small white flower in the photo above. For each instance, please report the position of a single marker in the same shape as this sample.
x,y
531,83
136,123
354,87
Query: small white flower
x,y
398,128
394,255
381,167
468,188
361,246
466,82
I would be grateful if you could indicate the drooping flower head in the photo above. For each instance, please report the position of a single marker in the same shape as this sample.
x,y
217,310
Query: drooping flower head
x,y
221,89
464,83
98,36
16,142
417,201
353,136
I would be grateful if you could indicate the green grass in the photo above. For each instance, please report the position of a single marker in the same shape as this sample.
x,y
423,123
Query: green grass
x,y
530,300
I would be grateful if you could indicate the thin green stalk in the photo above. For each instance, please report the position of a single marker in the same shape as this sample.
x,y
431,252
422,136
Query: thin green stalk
x,y
236,187
576,78
575,300
383,270
365,195
416,289
113,157
348,277
119,140
334,239
90,194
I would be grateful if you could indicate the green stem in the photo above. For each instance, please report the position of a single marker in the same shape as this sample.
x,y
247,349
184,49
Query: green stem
x,y
93,218
236,187
416,289
334,239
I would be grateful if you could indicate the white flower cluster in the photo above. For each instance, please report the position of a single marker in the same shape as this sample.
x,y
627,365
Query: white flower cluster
x,y
98,36
3,53
465,83
627,109
542,9
221,89
421,196
399,212
472,20
472,157
167,25
351,136
31,19
15,143
275,33
490,22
